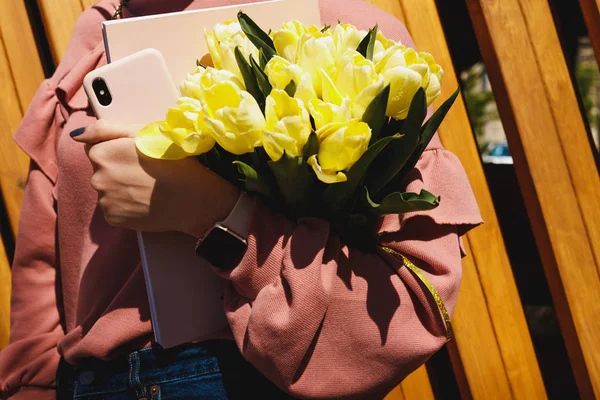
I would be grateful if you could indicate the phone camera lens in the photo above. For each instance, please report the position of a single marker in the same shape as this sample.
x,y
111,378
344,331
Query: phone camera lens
x,y
102,93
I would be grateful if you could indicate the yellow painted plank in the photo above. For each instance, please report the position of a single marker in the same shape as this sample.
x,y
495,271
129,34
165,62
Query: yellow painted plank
x,y
391,6
564,106
4,297
21,49
87,3
591,15
476,344
396,394
487,245
417,386
59,18
548,186
13,162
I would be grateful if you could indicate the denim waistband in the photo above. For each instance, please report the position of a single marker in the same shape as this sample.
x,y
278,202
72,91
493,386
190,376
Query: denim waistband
x,y
140,373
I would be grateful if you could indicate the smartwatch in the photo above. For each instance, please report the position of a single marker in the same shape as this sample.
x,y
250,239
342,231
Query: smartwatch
x,y
226,243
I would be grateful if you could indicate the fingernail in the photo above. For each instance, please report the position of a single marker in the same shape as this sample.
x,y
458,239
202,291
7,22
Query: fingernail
x,y
77,132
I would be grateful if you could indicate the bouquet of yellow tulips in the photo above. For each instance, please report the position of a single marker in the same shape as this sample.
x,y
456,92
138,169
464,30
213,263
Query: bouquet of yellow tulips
x,y
321,122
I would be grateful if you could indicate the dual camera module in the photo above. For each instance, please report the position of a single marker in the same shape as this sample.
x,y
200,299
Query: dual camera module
x,y
101,91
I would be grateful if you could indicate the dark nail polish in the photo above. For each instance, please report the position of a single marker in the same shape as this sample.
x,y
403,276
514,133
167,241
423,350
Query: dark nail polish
x,y
77,132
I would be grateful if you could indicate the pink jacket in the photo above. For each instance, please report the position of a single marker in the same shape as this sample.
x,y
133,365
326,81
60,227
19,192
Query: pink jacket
x,y
319,319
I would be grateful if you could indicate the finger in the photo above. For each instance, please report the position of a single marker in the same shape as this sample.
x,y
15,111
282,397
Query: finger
x,y
102,131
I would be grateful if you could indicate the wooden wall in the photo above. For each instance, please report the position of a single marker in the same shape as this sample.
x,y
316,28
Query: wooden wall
x,y
492,355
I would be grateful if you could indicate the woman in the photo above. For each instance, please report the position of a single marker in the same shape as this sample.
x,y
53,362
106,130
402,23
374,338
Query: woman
x,y
308,316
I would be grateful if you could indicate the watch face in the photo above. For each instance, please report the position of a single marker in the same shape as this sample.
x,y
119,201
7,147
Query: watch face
x,y
222,249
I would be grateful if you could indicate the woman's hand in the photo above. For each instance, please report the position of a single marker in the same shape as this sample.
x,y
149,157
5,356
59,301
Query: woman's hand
x,y
137,192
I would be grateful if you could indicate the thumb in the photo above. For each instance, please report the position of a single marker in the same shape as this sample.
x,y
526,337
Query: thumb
x,y
103,131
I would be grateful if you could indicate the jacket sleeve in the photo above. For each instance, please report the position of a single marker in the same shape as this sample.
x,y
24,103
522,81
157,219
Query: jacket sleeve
x,y
28,365
322,320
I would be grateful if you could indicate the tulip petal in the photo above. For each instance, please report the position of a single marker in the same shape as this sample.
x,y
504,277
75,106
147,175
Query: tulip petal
x,y
222,95
197,143
276,143
326,176
330,92
364,98
286,44
152,143
404,85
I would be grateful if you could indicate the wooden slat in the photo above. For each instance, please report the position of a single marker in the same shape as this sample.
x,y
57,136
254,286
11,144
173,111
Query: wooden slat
x,y
395,394
478,349
20,75
59,19
87,3
487,246
4,297
591,15
21,49
391,6
548,187
563,102
13,162
417,386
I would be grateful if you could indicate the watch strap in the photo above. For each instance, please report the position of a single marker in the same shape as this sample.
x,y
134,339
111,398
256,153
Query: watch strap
x,y
240,218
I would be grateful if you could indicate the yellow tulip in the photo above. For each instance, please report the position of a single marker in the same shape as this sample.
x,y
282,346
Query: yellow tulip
x,y
287,38
185,127
382,43
152,143
347,37
356,78
342,145
336,110
288,125
436,76
233,118
196,83
407,71
316,51
182,134
222,42
281,72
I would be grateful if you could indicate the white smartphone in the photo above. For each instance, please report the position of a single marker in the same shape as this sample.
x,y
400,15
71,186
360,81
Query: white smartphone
x,y
185,295
137,89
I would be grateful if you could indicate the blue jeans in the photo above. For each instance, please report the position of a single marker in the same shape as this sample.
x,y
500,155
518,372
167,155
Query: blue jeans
x,y
212,370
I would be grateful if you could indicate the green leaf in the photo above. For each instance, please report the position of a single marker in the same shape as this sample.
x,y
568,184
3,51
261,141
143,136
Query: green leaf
x,y
367,45
395,156
325,28
337,194
311,147
416,113
296,182
400,203
262,59
253,182
257,36
260,162
393,126
427,132
432,125
261,78
374,115
291,88
249,78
